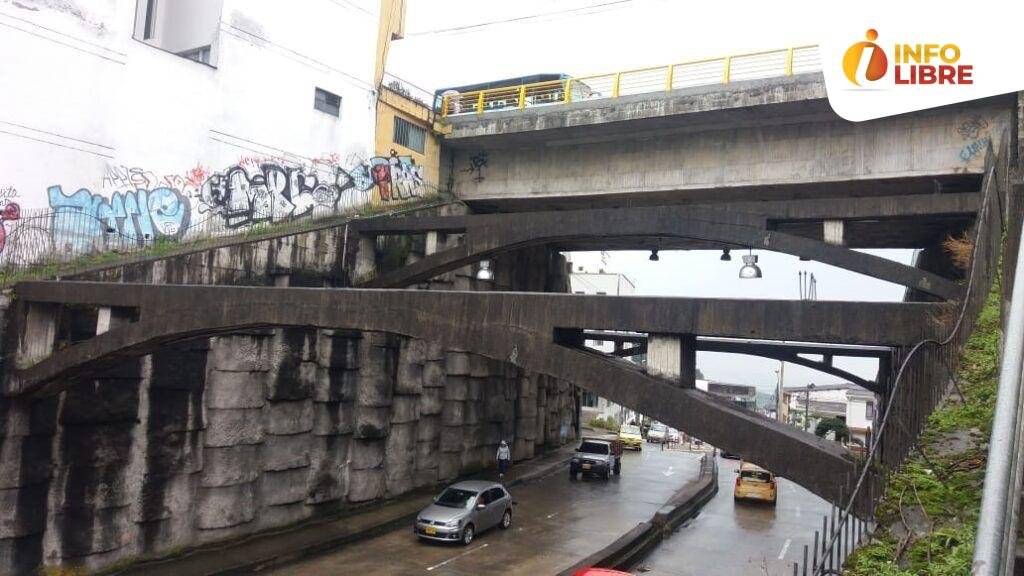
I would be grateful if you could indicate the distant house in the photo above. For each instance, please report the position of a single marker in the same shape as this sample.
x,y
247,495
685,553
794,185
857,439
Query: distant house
x,y
848,402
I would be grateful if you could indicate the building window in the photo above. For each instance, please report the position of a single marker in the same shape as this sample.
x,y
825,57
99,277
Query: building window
x,y
189,29
409,135
869,410
150,18
327,102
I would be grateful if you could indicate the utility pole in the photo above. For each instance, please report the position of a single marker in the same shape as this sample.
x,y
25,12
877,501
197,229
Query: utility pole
x,y
807,406
781,374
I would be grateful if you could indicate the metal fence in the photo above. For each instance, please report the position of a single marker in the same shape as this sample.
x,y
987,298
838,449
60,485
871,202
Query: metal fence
x,y
919,380
58,241
998,522
766,64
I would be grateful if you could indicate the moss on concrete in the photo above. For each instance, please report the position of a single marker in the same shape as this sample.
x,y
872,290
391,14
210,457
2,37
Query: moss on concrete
x,y
929,513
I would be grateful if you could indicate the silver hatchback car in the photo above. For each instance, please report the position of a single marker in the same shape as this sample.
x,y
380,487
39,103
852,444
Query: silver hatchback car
x,y
463,510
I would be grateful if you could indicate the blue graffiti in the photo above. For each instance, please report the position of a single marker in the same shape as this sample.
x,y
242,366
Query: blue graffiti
x,y
972,149
83,221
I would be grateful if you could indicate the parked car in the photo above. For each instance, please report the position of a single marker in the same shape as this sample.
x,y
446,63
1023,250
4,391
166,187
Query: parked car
x,y
657,433
629,435
464,510
674,436
730,455
755,483
594,456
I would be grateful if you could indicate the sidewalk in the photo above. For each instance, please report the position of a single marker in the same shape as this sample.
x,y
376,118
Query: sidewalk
x,y
262,551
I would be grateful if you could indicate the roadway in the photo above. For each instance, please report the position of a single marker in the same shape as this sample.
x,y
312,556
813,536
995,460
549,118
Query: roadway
x,y
740,538
556,523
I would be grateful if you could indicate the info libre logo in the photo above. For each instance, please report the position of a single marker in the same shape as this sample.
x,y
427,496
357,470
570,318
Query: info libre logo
x,y
912,63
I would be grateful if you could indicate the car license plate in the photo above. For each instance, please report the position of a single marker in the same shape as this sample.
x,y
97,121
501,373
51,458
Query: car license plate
x,y
586,466
430,531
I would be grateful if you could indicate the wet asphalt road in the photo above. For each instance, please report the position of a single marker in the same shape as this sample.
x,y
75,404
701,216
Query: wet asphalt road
x,y
556,523
739,538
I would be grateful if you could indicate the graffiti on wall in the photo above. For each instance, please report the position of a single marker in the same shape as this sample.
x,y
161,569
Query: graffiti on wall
x,y
254,191
976,132
136,206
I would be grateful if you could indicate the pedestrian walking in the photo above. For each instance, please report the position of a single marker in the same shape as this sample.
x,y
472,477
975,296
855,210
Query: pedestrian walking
x,y
504,459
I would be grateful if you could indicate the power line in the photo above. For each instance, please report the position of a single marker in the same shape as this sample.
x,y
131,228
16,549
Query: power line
x,y
518,19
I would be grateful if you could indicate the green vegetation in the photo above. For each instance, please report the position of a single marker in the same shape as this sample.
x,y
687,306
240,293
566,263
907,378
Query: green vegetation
x,y
608,423
929,513
834,425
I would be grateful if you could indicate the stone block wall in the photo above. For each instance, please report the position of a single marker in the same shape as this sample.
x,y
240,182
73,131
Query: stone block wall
x,y
227,436
218,438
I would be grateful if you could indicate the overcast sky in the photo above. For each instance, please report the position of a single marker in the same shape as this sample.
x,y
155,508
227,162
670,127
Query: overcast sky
x,y
449,42
455,42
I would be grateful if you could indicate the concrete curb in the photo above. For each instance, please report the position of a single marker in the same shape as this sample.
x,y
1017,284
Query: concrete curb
x,y
632,546
253,565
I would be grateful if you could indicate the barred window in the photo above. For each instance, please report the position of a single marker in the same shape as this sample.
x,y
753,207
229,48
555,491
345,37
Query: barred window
x,y
409,135
327,102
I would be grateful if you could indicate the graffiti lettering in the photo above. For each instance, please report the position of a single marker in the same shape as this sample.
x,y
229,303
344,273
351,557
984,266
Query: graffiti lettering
x,y
137,206
83,218
248,194
972,149
971,128
477,163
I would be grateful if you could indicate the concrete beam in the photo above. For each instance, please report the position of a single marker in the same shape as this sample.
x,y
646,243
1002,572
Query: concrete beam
x,y
171,313
718,227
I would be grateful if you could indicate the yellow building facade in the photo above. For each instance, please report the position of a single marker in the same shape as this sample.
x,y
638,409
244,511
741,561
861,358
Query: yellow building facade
x,y
406,122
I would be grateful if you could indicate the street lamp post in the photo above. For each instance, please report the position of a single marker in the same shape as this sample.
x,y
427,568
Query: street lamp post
x,y
807,406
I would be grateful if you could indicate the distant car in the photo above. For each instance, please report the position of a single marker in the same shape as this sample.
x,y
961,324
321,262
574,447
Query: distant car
x,y
674,436
464,510
657,433
599,572
629,435
755,483
730,455
594,456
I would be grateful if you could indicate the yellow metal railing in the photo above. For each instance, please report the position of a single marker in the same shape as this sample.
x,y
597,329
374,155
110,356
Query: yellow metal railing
x,y
766,64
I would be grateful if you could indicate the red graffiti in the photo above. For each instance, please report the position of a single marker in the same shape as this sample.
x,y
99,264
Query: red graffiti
x,y
11,212
381,174
196,176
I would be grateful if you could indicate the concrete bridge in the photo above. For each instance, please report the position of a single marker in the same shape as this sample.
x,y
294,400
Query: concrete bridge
x,y
753,140
163,401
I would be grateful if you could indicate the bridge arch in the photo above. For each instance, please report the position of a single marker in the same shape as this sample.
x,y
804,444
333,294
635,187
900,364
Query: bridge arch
x,y
647,228
174,313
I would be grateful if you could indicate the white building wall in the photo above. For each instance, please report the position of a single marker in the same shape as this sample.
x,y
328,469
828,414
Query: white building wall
x,y
588,278
86,106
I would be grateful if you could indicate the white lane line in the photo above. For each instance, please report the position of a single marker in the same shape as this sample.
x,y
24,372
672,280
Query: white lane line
x,y
797,510
552,515
454,558
782,554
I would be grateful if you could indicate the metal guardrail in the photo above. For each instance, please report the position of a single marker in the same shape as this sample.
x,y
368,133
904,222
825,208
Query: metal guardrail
x,y
754,65
994,548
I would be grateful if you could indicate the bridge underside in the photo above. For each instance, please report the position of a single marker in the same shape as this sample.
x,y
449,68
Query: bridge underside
x,y
780,227
513,327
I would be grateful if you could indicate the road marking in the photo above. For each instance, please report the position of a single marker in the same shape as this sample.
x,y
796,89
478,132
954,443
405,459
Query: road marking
x,y
454,558
782,554
552,515
797,510
668,472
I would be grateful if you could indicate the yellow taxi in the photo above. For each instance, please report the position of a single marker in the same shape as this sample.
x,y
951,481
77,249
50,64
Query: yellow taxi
x,y
755,483
629,436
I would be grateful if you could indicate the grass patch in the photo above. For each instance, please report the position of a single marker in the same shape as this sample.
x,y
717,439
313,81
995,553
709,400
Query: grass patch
x,y
947,485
